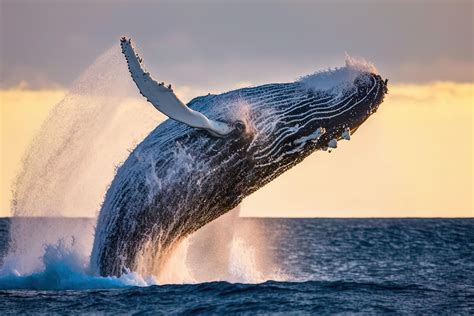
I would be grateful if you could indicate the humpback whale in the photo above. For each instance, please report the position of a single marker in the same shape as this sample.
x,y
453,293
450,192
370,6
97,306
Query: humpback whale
x,y
215,151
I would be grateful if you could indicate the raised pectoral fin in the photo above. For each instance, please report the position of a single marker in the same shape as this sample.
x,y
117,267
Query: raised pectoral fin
x,y
163,98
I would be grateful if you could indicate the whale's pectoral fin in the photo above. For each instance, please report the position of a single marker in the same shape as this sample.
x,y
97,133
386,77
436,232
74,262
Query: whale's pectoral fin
x,y
163,98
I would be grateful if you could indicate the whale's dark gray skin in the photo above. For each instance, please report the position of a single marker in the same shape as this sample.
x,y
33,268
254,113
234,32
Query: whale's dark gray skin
x,y
180,178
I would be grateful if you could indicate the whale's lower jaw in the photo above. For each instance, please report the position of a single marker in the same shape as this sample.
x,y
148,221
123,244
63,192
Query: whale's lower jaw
x,y
179,179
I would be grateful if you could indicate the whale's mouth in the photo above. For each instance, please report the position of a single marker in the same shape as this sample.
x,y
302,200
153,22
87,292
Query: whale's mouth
x,y
371,89
348,102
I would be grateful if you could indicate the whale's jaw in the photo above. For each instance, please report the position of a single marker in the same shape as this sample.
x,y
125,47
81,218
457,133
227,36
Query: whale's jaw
x,y
179,179
366,102
319,125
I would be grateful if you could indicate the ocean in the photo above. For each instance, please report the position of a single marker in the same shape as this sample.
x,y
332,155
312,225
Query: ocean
x,y
327,266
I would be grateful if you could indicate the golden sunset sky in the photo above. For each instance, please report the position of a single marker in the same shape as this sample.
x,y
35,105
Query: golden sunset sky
x,y
413,158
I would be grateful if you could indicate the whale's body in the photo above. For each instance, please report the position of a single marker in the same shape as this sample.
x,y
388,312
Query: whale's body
x,y
180,178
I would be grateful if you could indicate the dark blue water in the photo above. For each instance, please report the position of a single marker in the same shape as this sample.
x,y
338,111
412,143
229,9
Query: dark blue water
x,y
334,266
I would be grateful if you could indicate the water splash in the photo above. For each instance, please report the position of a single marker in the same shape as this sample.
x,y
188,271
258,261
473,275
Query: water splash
x,y
71,161
339,79
66,268
31,236
227,249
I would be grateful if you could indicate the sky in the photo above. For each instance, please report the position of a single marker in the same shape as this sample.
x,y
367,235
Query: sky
x,y
412,158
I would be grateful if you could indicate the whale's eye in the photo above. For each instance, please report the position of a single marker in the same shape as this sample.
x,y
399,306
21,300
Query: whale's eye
x,y
239,126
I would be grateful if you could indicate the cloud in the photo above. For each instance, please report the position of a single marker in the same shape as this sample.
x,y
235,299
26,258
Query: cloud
x,y
215,44
25,80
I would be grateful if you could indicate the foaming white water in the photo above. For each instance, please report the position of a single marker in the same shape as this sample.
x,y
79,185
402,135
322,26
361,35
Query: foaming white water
x,y
229,249
31,236
66,267
341,78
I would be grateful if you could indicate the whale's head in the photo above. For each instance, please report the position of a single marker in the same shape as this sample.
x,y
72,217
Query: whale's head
x,y
291,120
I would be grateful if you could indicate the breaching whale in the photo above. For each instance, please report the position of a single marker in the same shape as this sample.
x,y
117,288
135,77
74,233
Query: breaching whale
x,y
215,151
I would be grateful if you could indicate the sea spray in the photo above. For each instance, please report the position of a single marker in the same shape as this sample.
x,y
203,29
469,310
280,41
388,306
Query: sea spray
x,y
71,161
228,249
339,79
231,249
31,236
65,267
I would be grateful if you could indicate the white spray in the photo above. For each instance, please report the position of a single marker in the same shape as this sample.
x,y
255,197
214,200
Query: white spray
x,y
71,161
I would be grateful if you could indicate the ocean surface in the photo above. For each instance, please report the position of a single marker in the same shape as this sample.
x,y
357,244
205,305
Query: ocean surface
x,y
423,266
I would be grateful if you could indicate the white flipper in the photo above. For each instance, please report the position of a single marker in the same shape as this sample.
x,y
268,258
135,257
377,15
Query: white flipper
x,y
163,98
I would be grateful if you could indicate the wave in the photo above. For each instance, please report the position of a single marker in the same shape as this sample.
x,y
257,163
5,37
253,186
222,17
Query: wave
x,y
228,249
66,268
